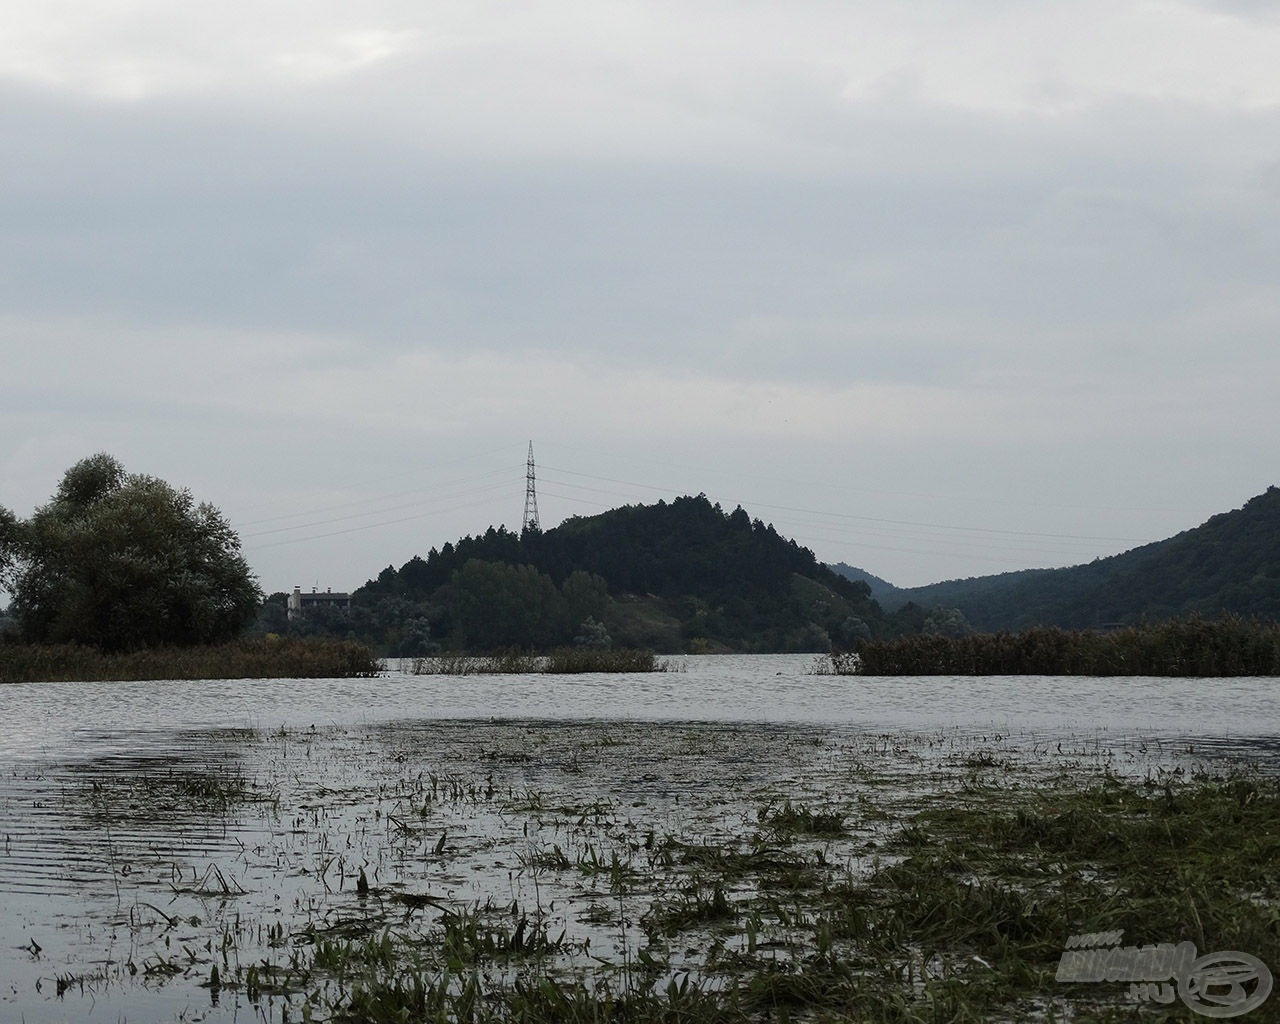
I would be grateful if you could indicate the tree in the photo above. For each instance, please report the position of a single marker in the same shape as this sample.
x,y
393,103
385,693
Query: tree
x,y
586,596
593,634
496,605
949,622
122,562
10,530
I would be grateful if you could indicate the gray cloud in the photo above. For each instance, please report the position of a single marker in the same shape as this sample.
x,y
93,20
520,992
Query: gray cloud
x,y
843,247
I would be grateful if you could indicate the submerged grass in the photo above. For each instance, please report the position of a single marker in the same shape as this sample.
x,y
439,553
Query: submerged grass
x,y
967,927
261,658
962,918
686,893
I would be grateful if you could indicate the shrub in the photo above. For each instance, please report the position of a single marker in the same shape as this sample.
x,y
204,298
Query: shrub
x,y
261,658
1226,646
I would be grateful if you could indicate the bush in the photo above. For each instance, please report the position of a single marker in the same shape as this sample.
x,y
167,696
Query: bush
x,y
262,658
1226,646
561,661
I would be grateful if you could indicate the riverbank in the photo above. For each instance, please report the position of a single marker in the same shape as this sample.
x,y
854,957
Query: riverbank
x,y
260,658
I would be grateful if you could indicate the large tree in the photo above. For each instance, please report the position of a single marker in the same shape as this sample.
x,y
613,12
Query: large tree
x,y
124,561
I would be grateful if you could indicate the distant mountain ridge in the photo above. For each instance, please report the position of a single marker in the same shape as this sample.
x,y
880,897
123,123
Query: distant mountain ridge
x,y
881,590
1229,564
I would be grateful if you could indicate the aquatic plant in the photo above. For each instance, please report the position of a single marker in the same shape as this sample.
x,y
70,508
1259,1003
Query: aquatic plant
x,y
561,661
1225,646
259,658
476,872
796,818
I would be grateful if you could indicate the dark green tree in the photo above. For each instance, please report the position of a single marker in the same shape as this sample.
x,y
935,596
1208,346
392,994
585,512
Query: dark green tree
x,y
122,562
586,596
496,605
273,614
10,531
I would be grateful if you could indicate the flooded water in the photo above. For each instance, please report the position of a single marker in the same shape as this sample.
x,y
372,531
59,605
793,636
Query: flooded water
x,y
70,720
155,831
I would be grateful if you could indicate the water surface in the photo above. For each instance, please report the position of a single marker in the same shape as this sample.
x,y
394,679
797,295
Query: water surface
x,y
144,823
70,719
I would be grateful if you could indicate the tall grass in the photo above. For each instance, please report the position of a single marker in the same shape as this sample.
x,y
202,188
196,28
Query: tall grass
x,y
571,660
261,658
561,661
1226,646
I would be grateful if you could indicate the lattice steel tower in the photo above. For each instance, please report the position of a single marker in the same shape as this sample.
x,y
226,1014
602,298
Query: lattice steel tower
x,y
530,498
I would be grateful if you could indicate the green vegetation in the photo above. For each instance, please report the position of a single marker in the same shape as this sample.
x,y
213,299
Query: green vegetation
x,y
261,658
944,885
561,661
963,918
678,576
1229,564
1226,646
122,576
124,562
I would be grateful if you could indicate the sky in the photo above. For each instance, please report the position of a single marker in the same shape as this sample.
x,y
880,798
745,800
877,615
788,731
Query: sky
x,y
940,289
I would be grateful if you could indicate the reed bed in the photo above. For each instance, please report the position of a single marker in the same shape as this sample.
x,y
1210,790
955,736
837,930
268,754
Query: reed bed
x,y
561,661
1226,646
261,658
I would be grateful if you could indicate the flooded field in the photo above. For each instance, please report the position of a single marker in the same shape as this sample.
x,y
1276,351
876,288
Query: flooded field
x,y
267,852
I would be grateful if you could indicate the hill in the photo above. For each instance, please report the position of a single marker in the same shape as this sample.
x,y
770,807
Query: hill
x,y
882,591
675,576
1231,563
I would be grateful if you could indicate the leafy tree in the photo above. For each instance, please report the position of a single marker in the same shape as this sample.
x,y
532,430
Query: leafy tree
x,y
121,562
586,596
416,640
593,634
273,614
499,605
949,622
10,530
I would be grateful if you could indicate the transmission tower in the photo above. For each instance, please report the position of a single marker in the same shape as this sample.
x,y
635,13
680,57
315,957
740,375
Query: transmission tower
x,y
530,498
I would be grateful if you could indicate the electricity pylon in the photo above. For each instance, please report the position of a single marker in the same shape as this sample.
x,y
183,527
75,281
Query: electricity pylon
x,y
530,499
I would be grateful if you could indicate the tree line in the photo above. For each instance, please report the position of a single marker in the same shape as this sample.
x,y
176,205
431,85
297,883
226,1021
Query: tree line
x,y
672,576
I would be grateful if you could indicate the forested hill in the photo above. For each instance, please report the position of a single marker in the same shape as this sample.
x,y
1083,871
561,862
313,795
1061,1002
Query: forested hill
x,y
679,575
881,590
1231,563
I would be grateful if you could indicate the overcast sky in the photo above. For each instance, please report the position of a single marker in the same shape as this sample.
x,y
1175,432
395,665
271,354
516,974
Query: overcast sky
x,y
940,289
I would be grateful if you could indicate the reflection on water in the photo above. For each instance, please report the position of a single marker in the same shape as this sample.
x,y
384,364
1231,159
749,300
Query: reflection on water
x,y
143,823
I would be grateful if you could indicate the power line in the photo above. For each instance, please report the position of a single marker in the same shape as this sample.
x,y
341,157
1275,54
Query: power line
x,y
927,496
362,515
371,526
868,519
378,498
